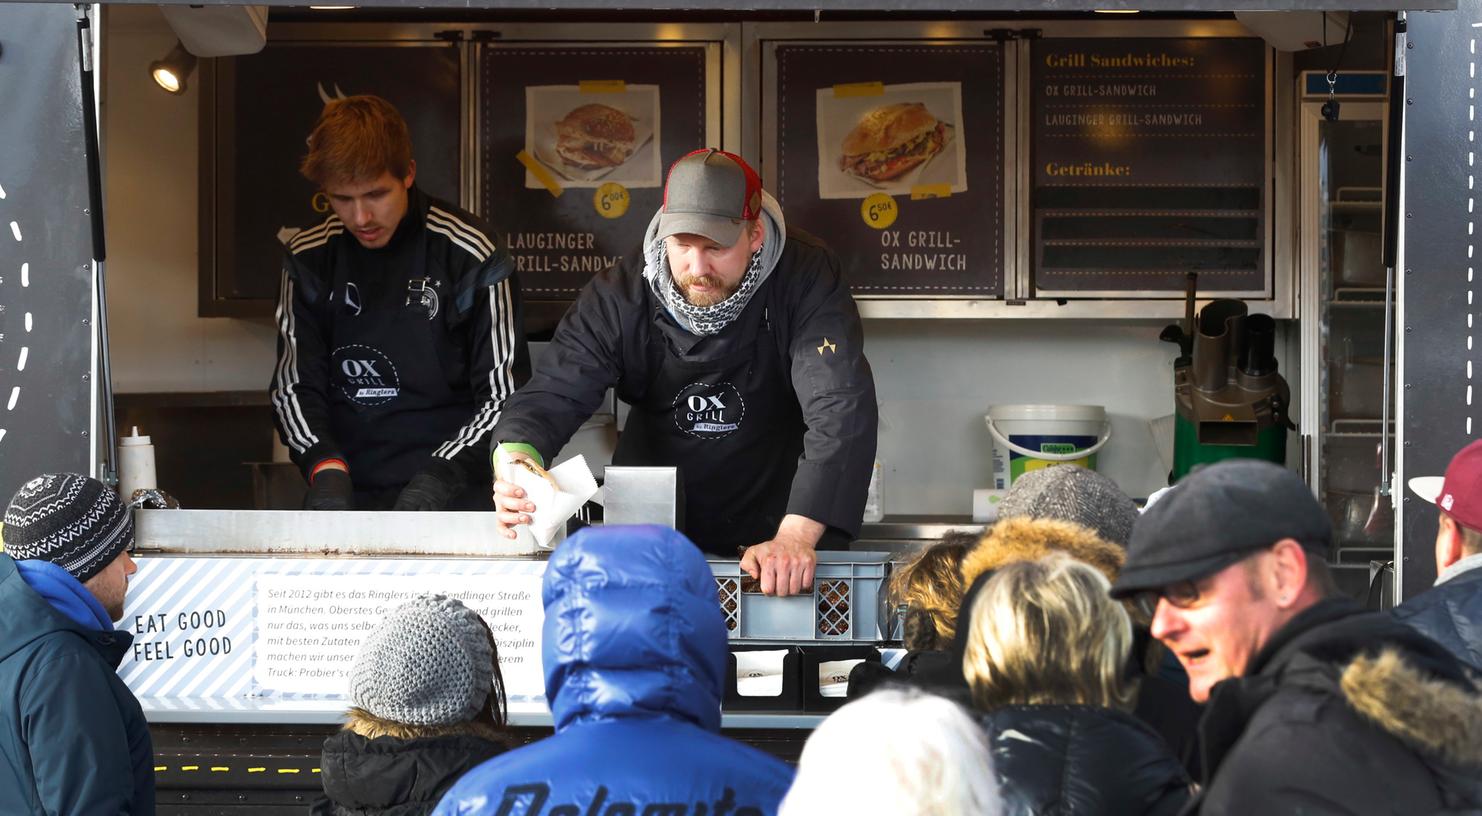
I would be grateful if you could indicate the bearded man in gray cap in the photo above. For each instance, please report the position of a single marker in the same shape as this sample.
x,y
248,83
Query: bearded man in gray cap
x,y
1313,704
72,737
736,343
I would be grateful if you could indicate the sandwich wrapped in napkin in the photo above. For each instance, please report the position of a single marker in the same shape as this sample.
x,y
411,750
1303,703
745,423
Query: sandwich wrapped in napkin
x,y
557,493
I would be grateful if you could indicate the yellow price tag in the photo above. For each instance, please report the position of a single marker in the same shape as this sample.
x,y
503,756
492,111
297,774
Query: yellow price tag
x,y
878,210
589,86
611,200
923,191
848,89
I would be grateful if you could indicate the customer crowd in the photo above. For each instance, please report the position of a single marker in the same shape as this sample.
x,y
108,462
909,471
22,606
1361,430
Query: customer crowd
x,y
1078,658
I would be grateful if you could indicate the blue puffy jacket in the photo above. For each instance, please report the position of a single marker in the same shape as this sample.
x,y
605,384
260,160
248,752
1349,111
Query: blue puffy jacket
x,y
635,657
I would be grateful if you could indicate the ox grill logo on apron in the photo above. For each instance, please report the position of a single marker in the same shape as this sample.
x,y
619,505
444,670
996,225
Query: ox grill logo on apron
x,y
709,411
365,376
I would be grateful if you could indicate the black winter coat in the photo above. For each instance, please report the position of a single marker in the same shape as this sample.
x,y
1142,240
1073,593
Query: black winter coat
x,y
1056,759
1344,711
1451,615
387,776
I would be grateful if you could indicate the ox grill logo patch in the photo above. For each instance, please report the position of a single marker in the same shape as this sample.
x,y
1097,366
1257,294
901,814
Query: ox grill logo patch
x,y
709,410
365,376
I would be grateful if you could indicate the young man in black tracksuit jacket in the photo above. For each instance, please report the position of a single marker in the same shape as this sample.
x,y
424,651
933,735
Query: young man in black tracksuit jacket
x,y
399,330
752,379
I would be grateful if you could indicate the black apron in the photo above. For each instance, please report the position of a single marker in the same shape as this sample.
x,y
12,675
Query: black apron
x,y
731,424
399,377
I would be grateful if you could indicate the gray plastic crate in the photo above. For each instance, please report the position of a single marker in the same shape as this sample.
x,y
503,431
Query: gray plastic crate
x,y
844,606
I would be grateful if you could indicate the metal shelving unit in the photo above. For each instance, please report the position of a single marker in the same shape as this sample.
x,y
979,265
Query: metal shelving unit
x,y
1342,306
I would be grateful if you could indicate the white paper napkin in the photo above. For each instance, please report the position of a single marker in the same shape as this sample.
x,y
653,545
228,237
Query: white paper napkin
x,y
833,677
759,674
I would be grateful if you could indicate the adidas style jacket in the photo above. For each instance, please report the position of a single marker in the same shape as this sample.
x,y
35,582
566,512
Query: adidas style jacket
x,y
400,359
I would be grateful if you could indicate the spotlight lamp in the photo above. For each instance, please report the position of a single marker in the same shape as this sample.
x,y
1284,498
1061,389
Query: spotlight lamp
x,y
172,72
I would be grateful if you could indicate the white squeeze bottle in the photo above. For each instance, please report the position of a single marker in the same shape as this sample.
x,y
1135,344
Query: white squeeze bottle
x,y
135,465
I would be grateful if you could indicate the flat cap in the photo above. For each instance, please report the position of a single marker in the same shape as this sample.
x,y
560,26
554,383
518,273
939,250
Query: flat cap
x,y
1217,516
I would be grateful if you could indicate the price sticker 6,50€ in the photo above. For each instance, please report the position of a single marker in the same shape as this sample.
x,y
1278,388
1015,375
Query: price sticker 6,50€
x,y
611,200
878,210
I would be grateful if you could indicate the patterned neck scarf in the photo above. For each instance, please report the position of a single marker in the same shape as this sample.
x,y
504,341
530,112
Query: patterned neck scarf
x,y
702,320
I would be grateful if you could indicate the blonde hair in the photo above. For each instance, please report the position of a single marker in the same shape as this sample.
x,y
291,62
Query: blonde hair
x,y
1047,632
930,583
896,751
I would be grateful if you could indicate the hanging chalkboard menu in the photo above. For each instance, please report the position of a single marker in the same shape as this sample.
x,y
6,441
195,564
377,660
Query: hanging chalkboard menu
x,y
575,141
892,152
1148,160
261,110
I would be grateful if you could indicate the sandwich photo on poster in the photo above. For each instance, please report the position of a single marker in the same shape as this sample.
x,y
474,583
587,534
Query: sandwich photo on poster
x,y
590,138
907,135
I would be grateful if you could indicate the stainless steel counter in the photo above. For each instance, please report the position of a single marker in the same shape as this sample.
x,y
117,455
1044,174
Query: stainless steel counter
x,y
522,713
305,532
290,532
897,533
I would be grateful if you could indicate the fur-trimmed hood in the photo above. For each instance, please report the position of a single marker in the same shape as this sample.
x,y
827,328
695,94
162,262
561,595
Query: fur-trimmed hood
x,y
1026,539
1435,717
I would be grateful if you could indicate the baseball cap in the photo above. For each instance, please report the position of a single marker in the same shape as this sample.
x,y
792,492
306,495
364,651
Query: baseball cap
x,y
711,193
1217,516
1459,492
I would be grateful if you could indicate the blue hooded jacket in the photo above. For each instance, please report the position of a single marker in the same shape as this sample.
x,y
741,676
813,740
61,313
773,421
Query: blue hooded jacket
x,y
634,654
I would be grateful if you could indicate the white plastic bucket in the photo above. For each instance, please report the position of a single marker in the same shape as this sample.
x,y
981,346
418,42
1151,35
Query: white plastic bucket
x,y
1030,437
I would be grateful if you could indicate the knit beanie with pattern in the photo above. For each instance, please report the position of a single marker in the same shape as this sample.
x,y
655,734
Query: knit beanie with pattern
x,y
1072,493
428,663
72,521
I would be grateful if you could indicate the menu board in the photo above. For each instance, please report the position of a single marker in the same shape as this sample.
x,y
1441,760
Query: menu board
x,y
266,104
1148,161
575,144
892,153
46,278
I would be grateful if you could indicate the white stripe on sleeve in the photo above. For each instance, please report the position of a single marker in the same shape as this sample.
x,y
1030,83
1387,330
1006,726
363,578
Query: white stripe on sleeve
x,y
501,376
285,376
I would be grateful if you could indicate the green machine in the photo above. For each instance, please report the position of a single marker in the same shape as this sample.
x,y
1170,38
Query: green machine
x,y
1231,402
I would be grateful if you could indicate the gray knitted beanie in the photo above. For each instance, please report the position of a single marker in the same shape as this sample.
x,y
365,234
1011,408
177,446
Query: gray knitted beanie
x,y
71,520
1072,493
428,663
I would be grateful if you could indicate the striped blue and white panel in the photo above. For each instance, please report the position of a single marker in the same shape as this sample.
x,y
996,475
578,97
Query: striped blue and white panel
x,y
224,628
